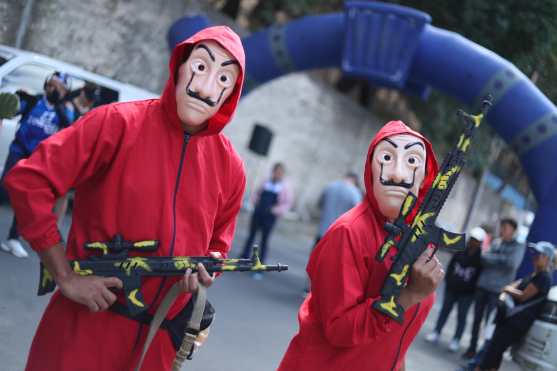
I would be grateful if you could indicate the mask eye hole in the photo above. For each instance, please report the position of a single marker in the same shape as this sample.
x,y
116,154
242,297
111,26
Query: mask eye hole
x,y
225,79
387,157
198,67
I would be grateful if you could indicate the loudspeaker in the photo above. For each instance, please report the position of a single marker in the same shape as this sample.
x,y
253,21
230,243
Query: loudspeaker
x,y
260,141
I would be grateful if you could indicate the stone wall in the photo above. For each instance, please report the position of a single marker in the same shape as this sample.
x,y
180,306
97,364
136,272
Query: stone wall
x,y
319,134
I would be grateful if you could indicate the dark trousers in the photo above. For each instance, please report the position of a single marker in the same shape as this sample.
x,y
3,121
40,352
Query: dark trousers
x,y
12,159
463,302
485,302
503,337
259,222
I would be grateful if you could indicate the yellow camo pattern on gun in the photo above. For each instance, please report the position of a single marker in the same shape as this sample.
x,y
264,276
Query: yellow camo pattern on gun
x,y
47,277
419,223
399,278
144,244
442,180
390,307
82,272
133,263
450,241
133,298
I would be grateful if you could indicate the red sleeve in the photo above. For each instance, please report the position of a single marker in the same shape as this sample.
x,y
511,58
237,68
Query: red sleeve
x,y
58,164
338,282
225,222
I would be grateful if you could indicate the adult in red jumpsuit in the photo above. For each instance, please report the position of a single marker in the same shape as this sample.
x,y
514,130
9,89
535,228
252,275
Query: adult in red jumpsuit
x,y
154,169
339,329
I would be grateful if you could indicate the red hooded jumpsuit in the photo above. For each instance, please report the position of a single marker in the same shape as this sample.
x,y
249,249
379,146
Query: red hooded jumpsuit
x,y
136,173
339,330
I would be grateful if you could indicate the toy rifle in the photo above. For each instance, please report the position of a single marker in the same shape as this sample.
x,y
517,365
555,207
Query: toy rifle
x,y
116,262
411,240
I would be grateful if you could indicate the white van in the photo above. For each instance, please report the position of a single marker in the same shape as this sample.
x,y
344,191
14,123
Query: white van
x,y
28,71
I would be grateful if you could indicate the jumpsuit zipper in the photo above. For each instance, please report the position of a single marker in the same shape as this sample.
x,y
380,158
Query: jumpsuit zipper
x,y
403,334
173,240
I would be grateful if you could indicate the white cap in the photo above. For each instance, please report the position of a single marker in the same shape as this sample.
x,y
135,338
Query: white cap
x,y
477,233
544,247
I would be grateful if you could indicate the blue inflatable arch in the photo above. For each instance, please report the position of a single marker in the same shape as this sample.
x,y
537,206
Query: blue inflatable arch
x,y
397,47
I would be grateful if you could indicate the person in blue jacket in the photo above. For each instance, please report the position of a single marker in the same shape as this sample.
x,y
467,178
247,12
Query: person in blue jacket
x,y
41,116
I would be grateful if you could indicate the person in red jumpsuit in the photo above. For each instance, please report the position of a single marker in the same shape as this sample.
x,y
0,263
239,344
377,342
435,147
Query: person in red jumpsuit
x,y
339,329
157,169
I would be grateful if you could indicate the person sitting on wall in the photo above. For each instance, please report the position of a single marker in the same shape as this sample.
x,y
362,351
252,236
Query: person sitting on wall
x,y
528,295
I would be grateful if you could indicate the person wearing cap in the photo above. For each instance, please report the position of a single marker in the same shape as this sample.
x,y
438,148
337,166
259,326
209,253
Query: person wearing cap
x,y
528,295
499,266
460,284
41,116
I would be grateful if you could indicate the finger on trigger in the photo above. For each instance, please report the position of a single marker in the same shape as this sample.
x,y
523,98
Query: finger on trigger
x,y
203,274
108,296
113,282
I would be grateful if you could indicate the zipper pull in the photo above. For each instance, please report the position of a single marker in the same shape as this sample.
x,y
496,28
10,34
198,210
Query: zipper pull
x,y
187,137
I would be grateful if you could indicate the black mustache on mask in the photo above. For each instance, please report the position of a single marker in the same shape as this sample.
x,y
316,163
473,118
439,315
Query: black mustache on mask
x,y
402,184
196,95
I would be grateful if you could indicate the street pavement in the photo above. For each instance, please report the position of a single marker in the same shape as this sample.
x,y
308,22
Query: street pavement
x,y
254,322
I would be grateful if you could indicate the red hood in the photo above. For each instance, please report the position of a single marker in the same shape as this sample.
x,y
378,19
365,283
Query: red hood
x,y
394,128
232,43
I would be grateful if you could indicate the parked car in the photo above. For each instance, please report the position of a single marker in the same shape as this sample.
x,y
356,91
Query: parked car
x,y
538,350
28,71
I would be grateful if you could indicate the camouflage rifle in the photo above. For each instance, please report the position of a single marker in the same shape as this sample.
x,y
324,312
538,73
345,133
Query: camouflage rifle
x,y
411,240
116,262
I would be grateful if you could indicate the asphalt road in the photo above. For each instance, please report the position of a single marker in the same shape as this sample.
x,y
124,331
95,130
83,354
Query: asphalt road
x,y
254,323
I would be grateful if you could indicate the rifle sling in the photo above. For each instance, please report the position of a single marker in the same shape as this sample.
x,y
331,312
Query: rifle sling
x,y
196,316
192,328
176,326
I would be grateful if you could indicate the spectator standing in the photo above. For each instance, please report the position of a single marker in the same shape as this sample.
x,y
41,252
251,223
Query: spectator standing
x,y
41,116
499,266
337,198
272,199
460,283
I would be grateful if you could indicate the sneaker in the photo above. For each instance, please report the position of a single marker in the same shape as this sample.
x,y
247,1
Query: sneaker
x,y
454,346
16,248
4,246
432,337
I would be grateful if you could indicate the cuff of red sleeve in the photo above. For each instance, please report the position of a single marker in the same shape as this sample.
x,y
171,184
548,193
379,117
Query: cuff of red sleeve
x,y
49,239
